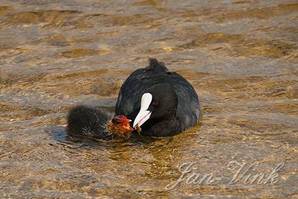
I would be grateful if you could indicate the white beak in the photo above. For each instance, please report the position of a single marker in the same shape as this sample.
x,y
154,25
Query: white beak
x,y
144,114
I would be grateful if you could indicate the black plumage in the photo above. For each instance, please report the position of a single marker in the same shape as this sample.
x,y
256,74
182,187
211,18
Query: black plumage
x,y
175,105
87,121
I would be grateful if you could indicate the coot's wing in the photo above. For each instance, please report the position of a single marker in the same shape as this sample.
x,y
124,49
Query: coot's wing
x,y
188,109
133,88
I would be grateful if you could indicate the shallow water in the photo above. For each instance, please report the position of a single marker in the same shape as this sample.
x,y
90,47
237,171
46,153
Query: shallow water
x,y
241,56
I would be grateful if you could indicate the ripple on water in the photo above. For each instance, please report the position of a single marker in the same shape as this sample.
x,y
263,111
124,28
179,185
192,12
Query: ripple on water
x,y
240,56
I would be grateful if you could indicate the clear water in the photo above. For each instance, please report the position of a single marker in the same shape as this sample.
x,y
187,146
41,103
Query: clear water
x,y
241,56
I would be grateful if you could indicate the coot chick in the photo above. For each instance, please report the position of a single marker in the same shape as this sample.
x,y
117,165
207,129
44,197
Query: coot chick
x,y
87,121
160,103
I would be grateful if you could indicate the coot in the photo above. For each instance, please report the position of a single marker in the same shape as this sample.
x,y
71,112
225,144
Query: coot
x,y
85,121
159,102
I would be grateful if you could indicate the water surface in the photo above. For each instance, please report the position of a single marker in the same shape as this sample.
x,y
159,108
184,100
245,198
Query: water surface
x,y
241,56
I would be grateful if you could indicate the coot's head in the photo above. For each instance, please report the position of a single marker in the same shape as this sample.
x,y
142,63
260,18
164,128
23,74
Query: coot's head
x,y
158,103
120,125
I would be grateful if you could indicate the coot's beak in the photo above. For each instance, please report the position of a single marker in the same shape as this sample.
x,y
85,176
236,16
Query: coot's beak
x,y
141,118
144,114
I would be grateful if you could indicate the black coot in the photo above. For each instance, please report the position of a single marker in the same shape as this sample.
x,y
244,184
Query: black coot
x,y
160,102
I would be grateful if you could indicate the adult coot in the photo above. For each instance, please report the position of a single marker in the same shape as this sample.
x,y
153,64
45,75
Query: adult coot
x,y
159,102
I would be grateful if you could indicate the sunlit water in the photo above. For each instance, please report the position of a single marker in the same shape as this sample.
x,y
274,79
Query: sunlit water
x,y
241,56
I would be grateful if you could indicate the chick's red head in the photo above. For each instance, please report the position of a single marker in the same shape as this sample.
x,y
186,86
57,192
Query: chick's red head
x,y
120,125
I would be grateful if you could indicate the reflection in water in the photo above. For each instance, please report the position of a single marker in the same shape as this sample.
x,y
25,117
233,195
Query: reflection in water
x,y
241,56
